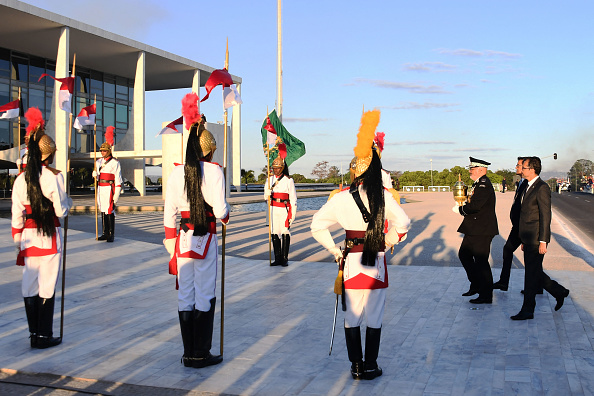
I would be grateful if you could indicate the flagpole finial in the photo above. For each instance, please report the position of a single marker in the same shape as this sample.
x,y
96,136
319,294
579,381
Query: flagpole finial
x,y
227,56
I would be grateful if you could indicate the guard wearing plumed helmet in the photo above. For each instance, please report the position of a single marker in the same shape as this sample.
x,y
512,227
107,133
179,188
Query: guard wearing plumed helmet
x,y
39,203
196,191
109,185
363,210
280,189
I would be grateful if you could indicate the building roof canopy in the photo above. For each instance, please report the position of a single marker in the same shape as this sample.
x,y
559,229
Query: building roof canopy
x,y
35,31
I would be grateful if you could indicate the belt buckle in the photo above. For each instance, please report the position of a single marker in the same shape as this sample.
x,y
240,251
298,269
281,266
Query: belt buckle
x,y
350,244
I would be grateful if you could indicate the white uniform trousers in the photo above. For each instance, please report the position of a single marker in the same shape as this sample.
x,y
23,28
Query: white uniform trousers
x,y
197,280
40,275
364,303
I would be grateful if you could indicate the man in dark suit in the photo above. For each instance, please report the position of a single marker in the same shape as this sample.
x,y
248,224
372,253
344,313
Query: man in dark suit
x,y
513,240
535,234
479,227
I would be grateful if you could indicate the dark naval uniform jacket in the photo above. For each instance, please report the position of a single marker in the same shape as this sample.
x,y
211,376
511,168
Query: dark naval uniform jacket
x,y
479,213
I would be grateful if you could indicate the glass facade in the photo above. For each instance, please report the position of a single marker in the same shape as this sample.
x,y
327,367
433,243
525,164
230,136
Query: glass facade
x,y
112,93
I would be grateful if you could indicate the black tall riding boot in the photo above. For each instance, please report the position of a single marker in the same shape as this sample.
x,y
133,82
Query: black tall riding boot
x,y
186,319
45,310
352,336
372,343
203,327
278,253
111,228
286,244
32,318
105,234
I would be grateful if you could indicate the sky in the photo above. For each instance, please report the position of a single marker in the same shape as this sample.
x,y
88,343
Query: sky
x,y
490,79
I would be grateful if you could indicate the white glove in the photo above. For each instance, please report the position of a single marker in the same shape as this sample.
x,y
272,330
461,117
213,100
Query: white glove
x,y
170,246
18,163
116,194
337,253
17,248
394,237
456,209
94,174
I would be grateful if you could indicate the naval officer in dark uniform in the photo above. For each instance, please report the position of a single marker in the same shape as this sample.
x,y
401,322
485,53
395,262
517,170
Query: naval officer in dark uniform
x,y
479,227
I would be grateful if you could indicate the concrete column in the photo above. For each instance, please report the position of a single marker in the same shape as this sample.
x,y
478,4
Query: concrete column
x,y
138,112
57,126
236,144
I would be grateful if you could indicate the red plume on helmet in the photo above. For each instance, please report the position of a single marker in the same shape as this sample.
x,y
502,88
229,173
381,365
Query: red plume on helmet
x,y
379,140
109,135
190,109
35,120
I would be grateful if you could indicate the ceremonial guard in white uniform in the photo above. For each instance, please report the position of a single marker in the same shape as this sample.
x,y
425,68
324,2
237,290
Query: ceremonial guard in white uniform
x,y
109,185
280,188
196,191
362,211
39,201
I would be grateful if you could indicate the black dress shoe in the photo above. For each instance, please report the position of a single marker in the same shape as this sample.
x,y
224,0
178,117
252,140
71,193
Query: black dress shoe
x,y
470,292
482,300
500,285
561,299
522,316
208,360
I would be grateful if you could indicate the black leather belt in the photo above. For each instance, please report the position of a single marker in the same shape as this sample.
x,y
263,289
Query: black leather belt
x,y
106,181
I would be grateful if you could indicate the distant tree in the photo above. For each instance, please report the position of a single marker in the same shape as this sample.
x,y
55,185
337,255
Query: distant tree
x,y
262,176
160,181
579,173
299,178
320,171
148,181
248,176
81,177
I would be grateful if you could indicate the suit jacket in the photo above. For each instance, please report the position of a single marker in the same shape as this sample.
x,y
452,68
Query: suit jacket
x,y
514,213
535,214
479,213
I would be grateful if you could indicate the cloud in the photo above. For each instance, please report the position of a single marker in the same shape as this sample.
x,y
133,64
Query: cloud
x,y
416,106
131,18
478,54
435,67
410,87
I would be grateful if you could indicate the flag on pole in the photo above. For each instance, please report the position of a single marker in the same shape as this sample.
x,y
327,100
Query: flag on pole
x,y
231,97
66,90
175,126
85,117
217,77
10,110
284,144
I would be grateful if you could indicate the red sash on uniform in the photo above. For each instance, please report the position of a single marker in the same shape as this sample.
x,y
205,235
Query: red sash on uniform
x,y
363,281
35,251
283,202
212,229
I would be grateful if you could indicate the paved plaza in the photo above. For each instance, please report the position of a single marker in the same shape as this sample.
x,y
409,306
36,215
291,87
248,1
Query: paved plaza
x,y
121,331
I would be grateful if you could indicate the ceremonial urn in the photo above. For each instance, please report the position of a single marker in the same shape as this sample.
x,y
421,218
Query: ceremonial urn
x,y
460,191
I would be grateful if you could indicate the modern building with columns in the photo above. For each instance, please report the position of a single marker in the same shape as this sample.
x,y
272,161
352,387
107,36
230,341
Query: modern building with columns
x,y
113,69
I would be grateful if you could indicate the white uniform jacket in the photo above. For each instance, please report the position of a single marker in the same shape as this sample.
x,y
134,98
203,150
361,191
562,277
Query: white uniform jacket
x,y
342,209
283,202
176,201
24,230
109,178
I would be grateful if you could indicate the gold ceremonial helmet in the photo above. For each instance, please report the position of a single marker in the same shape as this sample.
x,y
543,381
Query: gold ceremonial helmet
x,y
208,143
278,162
47,146
105,147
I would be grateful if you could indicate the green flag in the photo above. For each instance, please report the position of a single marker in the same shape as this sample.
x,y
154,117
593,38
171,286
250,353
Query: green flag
x,y
277,139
